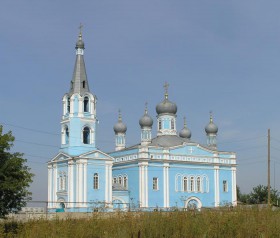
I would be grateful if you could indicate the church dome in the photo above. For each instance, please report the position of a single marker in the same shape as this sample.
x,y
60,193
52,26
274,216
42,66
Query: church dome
x,y
146,120
120,127
166,107
211,128
185,132
80,43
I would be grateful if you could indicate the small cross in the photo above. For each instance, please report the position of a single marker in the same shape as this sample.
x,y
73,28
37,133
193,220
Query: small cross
x,y
166,85
191,150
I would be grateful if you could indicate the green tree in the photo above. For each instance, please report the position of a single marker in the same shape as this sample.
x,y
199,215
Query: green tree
x,y
260,195
15,177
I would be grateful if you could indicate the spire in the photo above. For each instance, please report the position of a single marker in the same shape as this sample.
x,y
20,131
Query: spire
x,y
79,83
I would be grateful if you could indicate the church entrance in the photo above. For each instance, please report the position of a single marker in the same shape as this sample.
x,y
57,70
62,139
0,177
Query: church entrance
x,y
193,203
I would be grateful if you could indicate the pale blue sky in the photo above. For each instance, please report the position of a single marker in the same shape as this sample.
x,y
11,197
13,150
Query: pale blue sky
x,y
216,55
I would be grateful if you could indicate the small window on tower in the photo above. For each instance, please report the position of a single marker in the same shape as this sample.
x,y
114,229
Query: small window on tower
x,y
86,104
68,105
86,135
172,124
66,135
159,125
84,84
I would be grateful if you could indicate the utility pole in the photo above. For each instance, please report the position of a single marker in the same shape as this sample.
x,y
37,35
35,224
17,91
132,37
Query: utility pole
x,y
268,167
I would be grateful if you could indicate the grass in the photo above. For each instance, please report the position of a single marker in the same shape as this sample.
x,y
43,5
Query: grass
x,y
208,223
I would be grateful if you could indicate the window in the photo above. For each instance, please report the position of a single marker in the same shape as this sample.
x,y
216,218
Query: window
x,y
120,180
225,186
155,183
86,104
192,184
125,181
84,84
198,184
66,135
172,124
68,105
95,181
86,135
62,181
185,184
115,180
159,125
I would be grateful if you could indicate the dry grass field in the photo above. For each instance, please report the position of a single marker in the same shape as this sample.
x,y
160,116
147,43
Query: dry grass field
x,y
207,223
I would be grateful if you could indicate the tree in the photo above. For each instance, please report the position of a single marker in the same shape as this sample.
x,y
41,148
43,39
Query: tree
x,y
15,177
260,195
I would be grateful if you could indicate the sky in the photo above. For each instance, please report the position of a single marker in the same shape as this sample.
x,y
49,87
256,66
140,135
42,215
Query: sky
x,y
219,56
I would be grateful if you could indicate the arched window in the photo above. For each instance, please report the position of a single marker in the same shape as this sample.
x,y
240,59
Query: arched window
x,y
95,181
185,184
66,135
125,181
172,124
86,104
115,180
192,184
86,135
159,125
120,180
68,104
198,184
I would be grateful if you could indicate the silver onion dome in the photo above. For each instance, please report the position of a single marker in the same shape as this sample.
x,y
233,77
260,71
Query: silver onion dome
x,y
146,120
120,127
185,132
166,106
211,128
80,43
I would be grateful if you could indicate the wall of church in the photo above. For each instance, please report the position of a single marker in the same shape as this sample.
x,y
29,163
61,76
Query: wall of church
x,y
132,173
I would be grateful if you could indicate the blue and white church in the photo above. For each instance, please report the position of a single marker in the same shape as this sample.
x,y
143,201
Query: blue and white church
x,y
166,171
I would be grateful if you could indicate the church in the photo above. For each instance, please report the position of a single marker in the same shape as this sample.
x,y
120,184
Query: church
x,y
165,172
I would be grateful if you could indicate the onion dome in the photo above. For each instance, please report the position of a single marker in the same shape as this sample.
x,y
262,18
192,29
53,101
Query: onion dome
x,y
120,127
166,106
146,120
185,132
211,128
80,43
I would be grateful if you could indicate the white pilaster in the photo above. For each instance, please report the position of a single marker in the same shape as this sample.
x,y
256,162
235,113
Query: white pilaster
x,y
54,198
50,185
106,183
234,195
85,182
146,186
217,186
143,184
70,184
80,107
166,184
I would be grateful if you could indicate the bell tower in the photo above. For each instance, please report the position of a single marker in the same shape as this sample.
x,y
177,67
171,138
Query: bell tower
x,y
78,124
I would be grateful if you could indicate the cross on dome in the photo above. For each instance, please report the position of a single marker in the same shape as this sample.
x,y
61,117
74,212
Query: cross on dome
x,y
166,85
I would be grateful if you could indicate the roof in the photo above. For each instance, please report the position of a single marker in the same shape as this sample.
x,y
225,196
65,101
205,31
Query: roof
x,y
79,83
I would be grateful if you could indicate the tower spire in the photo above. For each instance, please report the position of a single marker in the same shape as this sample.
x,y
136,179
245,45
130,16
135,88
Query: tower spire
x,y
79,82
